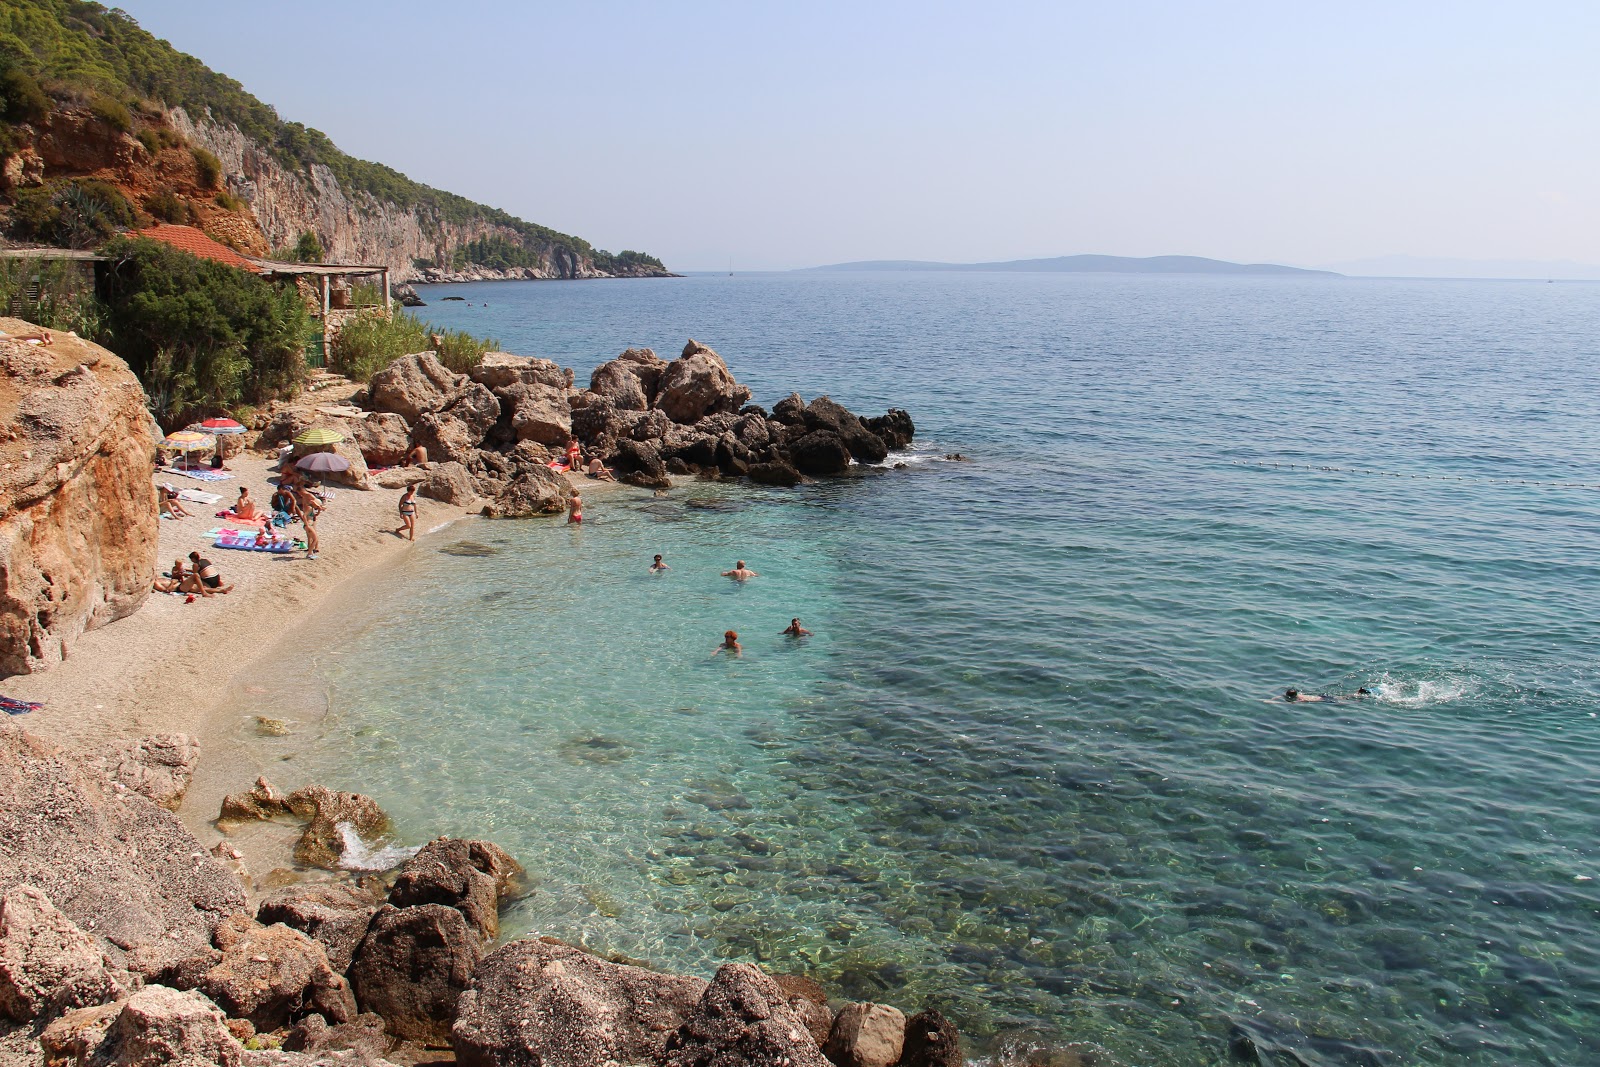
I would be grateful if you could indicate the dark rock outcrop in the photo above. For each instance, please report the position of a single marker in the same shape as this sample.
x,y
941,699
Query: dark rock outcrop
x,y
412,967
774,473
820,452
542,1002
742,1020
365,1035
895,429
931,1041
809,1002
470,876
864,445
640,463
334,914
263,801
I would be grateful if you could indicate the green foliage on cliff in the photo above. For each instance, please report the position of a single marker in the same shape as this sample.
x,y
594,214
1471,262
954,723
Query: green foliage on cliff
x,y
78,48
203,337
76,214
370,342
56,294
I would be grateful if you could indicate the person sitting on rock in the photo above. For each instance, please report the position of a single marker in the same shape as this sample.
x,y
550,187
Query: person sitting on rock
x,y
599,470
417,457
41,337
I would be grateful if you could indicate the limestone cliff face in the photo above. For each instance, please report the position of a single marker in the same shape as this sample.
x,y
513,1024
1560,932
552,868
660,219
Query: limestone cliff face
x,y
354,228
77,504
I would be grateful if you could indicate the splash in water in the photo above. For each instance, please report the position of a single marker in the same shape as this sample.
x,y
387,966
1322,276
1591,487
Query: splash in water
x,y
359,856
1423,692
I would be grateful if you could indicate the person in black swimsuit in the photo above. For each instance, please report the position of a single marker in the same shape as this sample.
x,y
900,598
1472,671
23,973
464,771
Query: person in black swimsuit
x,y
408,514
209,576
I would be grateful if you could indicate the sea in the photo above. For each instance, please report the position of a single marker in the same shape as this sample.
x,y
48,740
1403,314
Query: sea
x,y
1033,767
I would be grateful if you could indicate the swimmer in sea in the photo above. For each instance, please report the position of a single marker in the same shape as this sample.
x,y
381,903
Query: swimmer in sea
x,y
730,645
796,630
740,572
1294,696
657,567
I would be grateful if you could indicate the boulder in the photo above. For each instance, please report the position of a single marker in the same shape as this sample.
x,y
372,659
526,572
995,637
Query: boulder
x,y
412,967
322,842
406,296
640,463
742,1020
630,380
449,482
824,414
159,1026
790,411
470,876
264,801
752,431
809,1002
538,412
365,1035
931,1041
413,384
158,768
137,880
650,425
502,370
46,962
732,458
820,452
696,384
598,420
457,430
542,1002
334,914
383,438
400,477
895,429
866,1035
283,425
774,473
77,505
536,490
272,975
71,1041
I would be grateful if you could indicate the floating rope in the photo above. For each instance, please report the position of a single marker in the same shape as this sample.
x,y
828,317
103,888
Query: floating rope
x,y
1419,477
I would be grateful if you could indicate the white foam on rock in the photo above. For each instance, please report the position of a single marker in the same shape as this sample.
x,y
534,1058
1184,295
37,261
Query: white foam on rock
x,y
359,856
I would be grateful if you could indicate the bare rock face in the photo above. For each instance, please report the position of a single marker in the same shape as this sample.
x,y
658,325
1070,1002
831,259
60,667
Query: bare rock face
x,y
263,801
895,429
774,473
696,384
501,370
334,914
71,1040
77,504
158,768
742,1020
271,975
535,490
46,962
543,1002
382,438
322,843
538,412
640,463
864,445
412,967
867,1035
449,482
470,876
365,1035
630,380
138,881
413,384
158,1026
931,1041
457,430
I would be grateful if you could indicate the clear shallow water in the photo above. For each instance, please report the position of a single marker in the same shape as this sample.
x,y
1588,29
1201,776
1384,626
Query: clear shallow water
x,y
1026,770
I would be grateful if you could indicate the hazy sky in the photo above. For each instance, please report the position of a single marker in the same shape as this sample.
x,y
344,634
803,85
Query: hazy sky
x,y
817,132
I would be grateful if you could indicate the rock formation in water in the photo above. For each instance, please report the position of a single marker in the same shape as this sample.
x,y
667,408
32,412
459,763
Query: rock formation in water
x,y
77,504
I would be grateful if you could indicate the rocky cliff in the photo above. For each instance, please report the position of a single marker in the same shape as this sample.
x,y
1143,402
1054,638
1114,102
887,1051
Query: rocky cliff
x,y
77,503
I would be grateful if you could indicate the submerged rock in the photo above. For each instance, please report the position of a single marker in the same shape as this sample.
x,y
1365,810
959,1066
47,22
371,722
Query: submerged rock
x,y
593,748
471,549
323,841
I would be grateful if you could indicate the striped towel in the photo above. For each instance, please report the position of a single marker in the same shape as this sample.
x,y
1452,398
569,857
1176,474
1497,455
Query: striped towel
x,y
199,476
18,707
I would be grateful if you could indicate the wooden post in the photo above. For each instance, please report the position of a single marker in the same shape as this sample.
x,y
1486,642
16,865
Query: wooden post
x,y
388,302
326,299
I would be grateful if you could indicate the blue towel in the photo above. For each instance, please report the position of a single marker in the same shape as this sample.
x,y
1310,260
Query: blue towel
x,y
18,707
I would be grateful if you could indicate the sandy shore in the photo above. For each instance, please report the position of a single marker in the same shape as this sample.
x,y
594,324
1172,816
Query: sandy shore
x,y
168,667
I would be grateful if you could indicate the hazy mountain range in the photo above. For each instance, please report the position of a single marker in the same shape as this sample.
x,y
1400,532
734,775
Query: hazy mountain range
x,y
1084,265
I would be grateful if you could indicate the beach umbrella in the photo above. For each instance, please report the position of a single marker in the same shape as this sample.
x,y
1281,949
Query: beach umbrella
x,y
222,427
319,435
187,441
323,463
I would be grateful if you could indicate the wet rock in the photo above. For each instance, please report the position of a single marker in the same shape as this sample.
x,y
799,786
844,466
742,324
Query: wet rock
x,y
542,1002
742,1020
264,801
382,438
895,429
640,463
365,1035
272,975
231,858
470,876
412,967
774,473
502,370
696,384
334,914
809,1002
158,1026
823,413
820,452
535,490
450,483
866,1035
412,385
158,768
1258,1041
322,842
630,380
46,962
931,1041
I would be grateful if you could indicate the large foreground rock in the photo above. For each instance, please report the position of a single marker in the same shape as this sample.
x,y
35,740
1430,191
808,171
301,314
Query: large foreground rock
x,y
824,413
931,1041
46,962
470,876
382,438
541,1002
867,1035
77,504
536,490
137,880
742,1020
413,384
159,1026
630,380
272,975
412,967
501,370
334,914
158,768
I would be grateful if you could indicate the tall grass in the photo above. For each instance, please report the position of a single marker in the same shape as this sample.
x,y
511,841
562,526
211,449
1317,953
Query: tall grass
x,y
368,343
65,298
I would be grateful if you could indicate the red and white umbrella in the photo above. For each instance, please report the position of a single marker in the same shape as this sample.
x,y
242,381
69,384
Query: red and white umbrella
x,y
222,426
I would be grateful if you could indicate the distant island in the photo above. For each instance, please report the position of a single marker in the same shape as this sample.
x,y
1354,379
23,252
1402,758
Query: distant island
x,y
1089,265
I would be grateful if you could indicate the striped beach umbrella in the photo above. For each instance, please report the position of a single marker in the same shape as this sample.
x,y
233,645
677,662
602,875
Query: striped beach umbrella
x,y
319,435
189,441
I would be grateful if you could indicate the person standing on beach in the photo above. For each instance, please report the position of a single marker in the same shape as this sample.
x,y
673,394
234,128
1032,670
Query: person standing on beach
x,y
730,645
408,514
657,567
740,572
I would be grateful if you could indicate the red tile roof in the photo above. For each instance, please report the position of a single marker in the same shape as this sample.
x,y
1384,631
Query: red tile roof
x,y
196,243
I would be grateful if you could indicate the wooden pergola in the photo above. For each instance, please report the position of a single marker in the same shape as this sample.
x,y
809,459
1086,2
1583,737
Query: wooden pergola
x,y
323,276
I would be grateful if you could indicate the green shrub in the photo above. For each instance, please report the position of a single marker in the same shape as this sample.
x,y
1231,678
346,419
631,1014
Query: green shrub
x,y
111,112
308,248
207,168
150,139
77,213
23,99
369,342
55,294
167,206
202,337
228,202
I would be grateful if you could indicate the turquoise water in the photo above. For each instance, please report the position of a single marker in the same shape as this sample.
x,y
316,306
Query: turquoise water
x,y
1027,770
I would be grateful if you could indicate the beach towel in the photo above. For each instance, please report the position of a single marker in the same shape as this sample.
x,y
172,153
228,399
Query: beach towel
x,y
257,521
200,475
248,544
559,466
196,496
18,707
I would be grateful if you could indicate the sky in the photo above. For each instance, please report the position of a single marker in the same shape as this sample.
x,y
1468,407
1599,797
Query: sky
x,y
766,136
